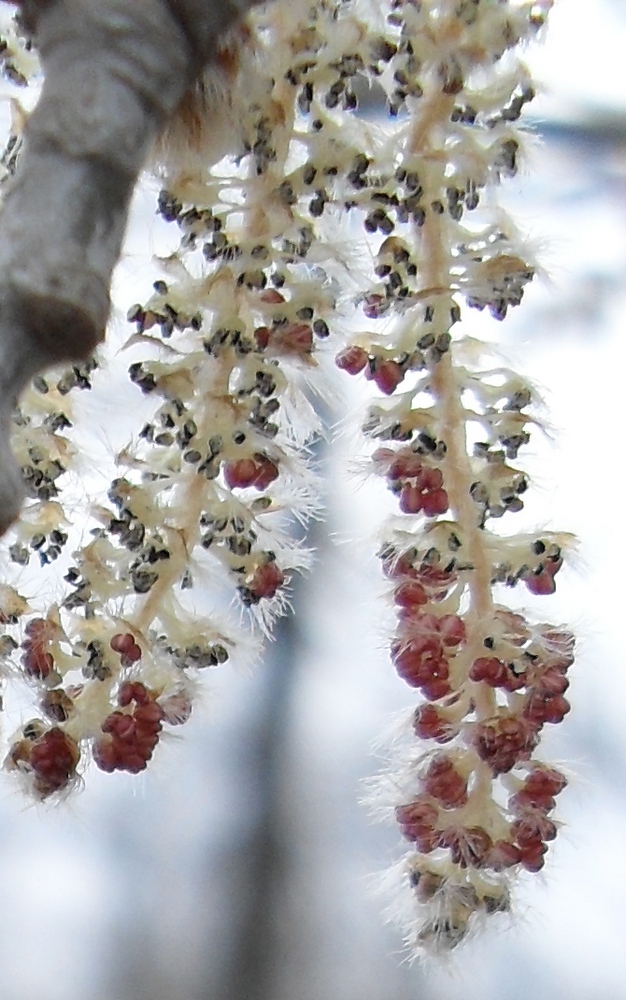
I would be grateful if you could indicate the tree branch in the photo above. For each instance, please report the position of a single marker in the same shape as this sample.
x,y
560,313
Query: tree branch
x,y
115,70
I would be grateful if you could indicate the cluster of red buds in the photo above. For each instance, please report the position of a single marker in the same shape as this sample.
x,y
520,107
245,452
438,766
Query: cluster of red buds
x,y
386,373
490,684
446,435
418,485
124,644
37,660
48,758
423,650
130,737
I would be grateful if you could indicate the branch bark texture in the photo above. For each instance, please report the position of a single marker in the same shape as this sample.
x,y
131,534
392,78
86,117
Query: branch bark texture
x,y
115,71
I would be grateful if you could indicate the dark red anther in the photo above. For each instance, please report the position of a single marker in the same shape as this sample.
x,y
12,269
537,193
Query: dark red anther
x,y
411,499
410,595
534,827
552,681
125,645
293,338
105,754
133,691
544,781
542,707
542,582
240,474
266,581
129,739
469,846
417,821
505,741
296,338
436,582
53,758
435,502
36,629
406,465
38,663
503,854
488,669
428,724
258,471
375,305
267,472
399,567
352,360
445,784
533,856
451,629
387,375
262,337
420,662
122,642
120,725
272,296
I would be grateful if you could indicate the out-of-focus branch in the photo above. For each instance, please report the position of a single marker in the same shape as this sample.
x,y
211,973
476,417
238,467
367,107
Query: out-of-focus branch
x,y
115,70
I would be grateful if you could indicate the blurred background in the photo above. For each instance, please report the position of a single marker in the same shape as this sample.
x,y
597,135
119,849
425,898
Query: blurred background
x,y
240,867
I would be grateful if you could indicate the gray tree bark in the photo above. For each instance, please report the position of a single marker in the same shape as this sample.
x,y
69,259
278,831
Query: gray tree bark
x,y
115,70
